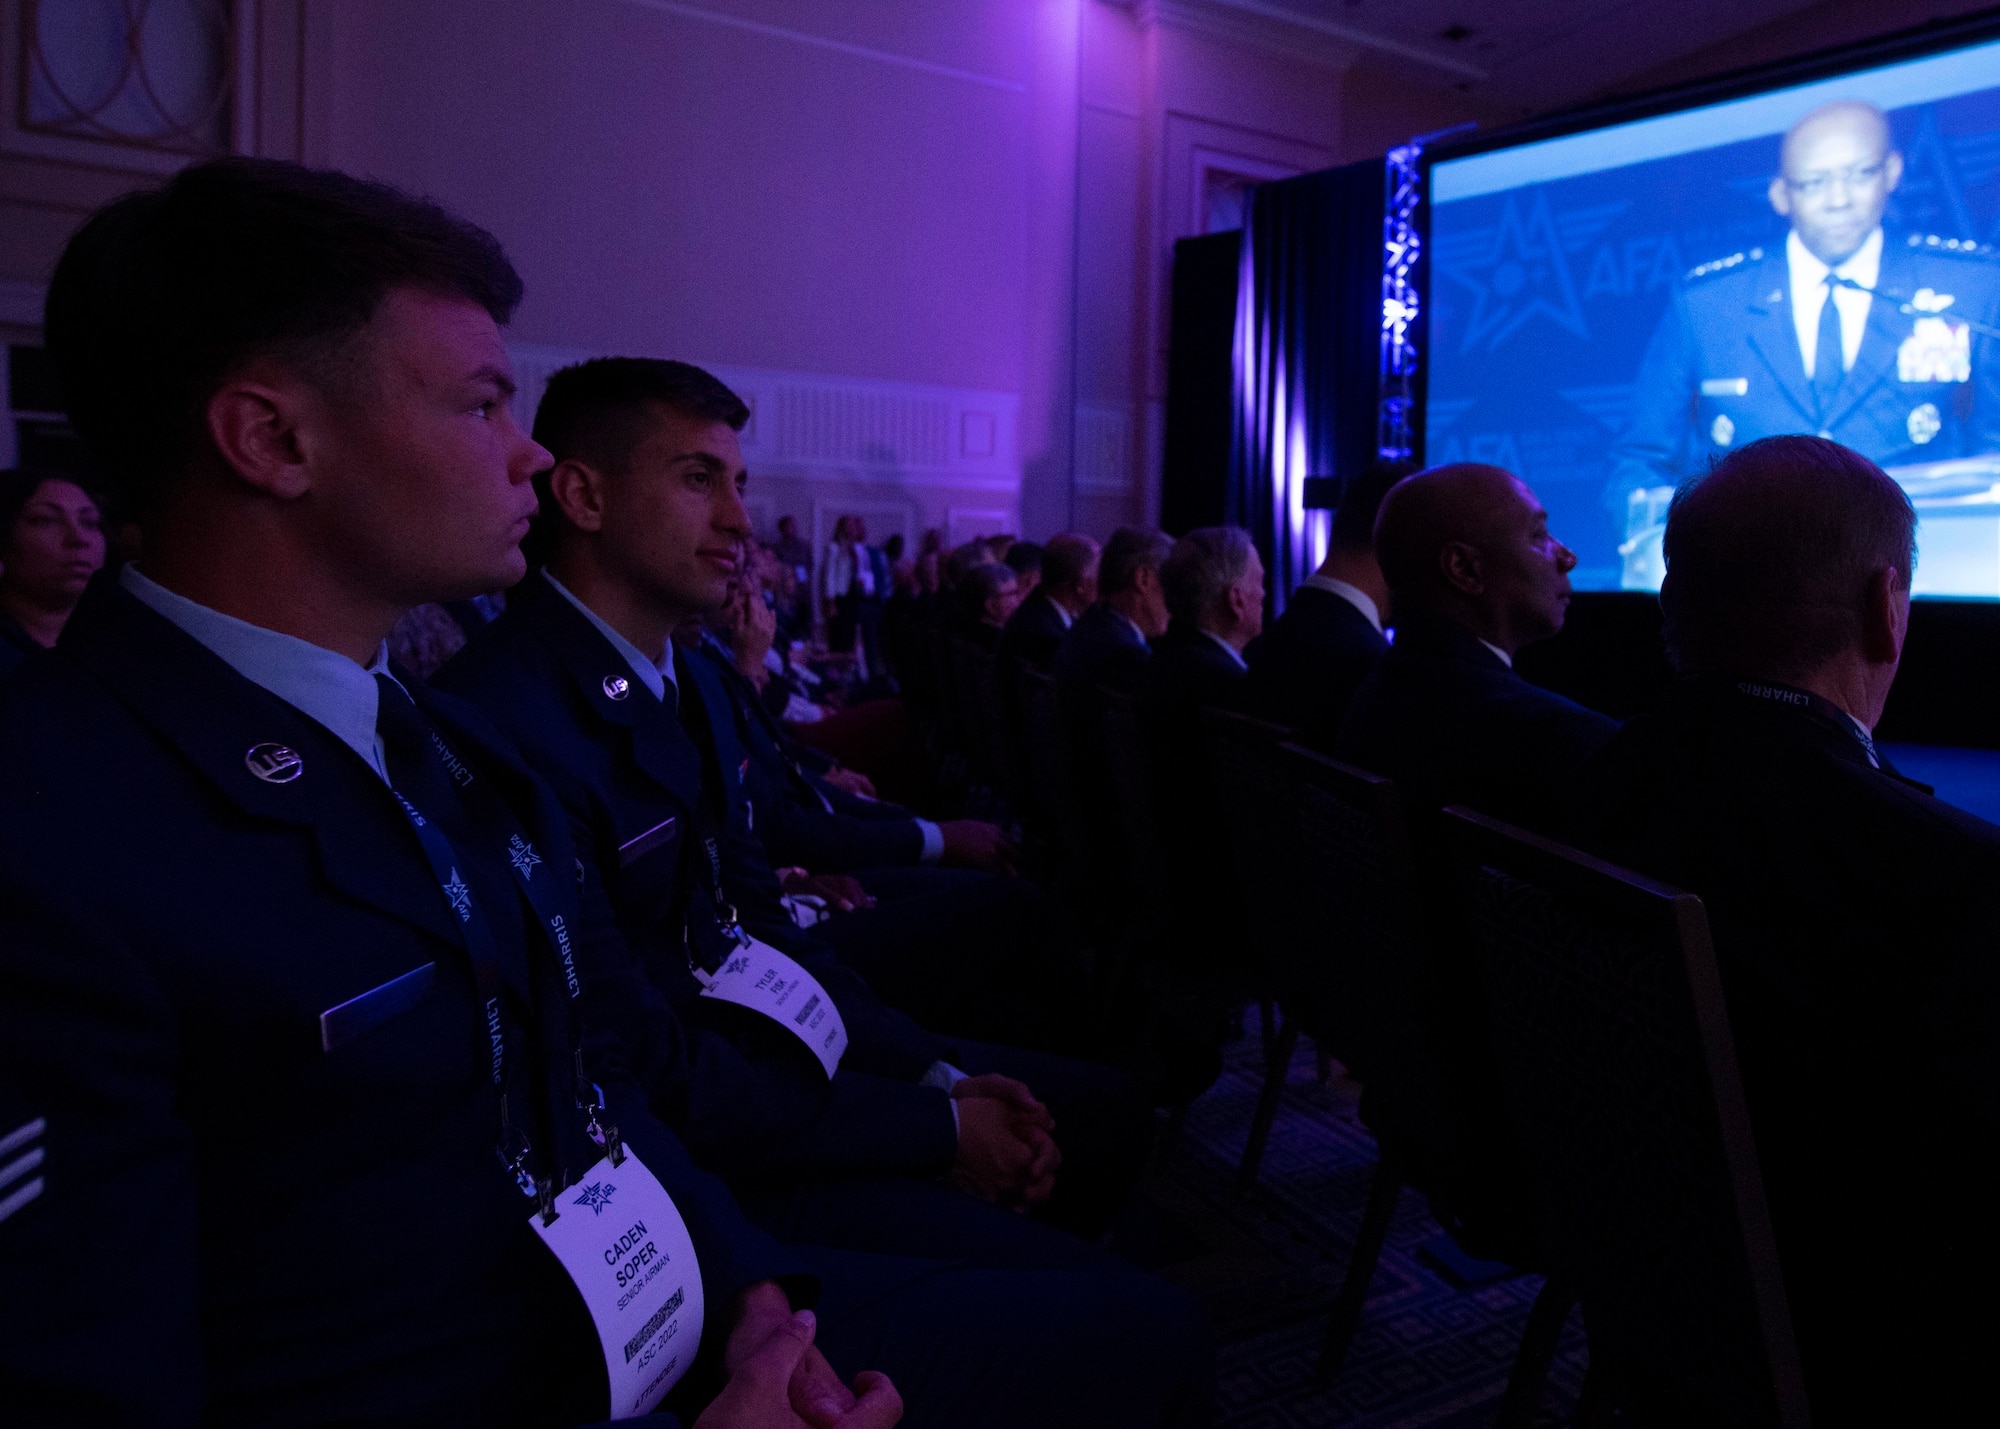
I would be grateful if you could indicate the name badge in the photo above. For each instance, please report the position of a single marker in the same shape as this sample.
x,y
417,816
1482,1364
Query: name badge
x,y
619,1237
761,978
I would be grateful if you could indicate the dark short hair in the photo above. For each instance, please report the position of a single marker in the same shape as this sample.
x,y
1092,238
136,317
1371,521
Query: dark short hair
x,y
598,411
1361,498
18,486
1202,565
1065,559
1768,557
1130,550
1022,557
163,294
981,584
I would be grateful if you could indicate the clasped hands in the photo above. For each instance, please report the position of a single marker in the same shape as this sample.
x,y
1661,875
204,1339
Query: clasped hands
x,y
1006,1143
779,1380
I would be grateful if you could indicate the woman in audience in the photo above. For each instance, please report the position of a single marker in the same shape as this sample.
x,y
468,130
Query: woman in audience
x,y
50,547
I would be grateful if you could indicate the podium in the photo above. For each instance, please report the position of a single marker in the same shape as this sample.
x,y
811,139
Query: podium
x,y
1958,529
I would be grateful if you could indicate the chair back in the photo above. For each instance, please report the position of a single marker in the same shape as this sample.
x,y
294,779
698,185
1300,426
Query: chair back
x,y
1620,1071
1260,814
986,716
1045,747
1359,966
1134,822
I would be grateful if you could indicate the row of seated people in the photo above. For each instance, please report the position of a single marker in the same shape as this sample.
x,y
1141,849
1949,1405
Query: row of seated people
x,y
375,1049
1854,915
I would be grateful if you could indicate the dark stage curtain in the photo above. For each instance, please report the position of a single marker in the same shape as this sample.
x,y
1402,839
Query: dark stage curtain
x,y
1201,386
1307,352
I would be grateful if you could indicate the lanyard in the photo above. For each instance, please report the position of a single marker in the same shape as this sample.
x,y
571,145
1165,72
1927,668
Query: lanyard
x,y
1817,705
485,806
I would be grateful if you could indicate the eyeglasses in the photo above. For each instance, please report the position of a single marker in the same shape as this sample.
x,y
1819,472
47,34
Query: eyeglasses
x,y
1853,176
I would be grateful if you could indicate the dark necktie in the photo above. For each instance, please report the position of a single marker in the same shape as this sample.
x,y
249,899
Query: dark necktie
x,y
1827,371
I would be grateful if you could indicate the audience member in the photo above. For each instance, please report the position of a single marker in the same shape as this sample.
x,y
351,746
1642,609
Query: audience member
x,y
1474,575
848,582
1311,660
50,547
987,597
639,739
1024,559
1853,916
306,373
794,593
1068,587
1108,642
1213,585
962,559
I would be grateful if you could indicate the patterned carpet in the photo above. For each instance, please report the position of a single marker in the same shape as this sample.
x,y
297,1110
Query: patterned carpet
x,y
1267,1264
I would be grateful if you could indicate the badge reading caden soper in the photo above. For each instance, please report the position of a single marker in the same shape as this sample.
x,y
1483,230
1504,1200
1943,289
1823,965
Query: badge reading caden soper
x,y
629,1253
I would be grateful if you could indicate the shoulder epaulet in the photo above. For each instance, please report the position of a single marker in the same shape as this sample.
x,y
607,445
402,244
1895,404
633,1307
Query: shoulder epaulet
x,y
1961,247
1723,265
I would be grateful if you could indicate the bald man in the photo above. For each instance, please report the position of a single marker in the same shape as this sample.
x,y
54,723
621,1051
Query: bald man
x,y
1474,575
1841,329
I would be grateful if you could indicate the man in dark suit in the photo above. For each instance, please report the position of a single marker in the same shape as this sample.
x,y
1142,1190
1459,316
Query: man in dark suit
x,y
1213,583
285,1090
1474,575
639,739
1067,589
1312,659
1853,915
1108,642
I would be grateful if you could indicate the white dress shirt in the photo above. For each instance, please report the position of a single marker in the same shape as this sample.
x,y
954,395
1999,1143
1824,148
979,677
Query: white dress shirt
x,y
654,676
1234,653
319,683
1505,658
1352,594
1809,292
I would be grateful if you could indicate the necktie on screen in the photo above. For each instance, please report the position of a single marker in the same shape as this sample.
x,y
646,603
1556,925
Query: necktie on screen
x,y
1828,355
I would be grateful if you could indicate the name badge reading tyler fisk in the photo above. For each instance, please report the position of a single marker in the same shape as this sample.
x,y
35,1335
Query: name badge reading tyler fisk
x,y
761,978
628,1250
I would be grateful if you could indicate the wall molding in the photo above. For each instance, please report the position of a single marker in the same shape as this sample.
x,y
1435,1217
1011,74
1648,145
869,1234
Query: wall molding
x,y
1264,25
825,42
815,427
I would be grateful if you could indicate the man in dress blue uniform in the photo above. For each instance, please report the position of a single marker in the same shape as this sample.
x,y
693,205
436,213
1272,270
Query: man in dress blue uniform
x,y
643,518
1882,341
293,952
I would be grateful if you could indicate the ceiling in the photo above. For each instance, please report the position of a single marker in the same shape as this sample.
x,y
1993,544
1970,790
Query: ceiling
x,y
1526,55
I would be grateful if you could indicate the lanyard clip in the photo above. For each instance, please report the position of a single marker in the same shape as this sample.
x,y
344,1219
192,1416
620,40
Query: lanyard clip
x,y
545,1189
605,1135
514,1151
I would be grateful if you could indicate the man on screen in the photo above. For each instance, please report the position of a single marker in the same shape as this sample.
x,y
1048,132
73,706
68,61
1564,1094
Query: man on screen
x,y
1881,341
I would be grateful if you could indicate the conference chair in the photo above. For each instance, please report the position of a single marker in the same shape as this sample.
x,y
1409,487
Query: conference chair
x,y
1260,814
1619,1065
1363,966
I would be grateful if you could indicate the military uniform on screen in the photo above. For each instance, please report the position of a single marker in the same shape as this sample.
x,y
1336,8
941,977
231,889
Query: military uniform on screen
x,y
1724,367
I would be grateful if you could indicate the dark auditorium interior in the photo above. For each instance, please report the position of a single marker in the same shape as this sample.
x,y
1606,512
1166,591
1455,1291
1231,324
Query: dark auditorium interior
x,y
809,714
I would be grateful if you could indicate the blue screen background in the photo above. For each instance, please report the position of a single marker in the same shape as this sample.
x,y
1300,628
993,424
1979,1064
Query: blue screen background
x,y
1542,297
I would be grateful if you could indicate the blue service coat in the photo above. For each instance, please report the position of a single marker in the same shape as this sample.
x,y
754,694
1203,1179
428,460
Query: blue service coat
x,y
238,1225
640,788
1724,368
